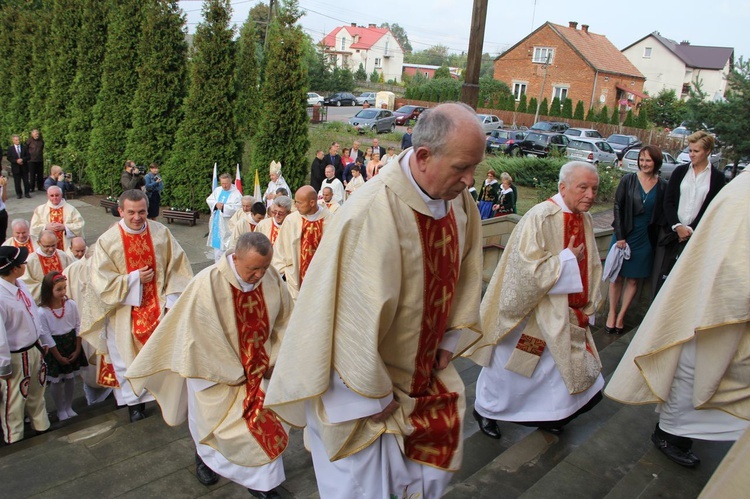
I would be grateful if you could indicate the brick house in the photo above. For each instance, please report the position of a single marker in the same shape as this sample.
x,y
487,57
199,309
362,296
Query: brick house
x,y
582,66
428,70
678,66
375,48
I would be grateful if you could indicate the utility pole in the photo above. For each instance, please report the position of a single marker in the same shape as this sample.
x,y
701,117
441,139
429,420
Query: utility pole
x,y
470,88
271,8
541,92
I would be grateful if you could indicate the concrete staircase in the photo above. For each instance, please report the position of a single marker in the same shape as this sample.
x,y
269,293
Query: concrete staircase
x,y
605,453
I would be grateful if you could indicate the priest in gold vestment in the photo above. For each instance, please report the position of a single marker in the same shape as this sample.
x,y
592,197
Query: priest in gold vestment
x,y
138,269
279,210
540,365
371,378
41,262
299,238
21,235
208,363
58,216
691,354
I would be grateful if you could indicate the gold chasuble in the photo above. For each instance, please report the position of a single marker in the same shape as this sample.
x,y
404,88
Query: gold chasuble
x,y
12,242
37,266
308,244
139,253
424,284
56,216
229,354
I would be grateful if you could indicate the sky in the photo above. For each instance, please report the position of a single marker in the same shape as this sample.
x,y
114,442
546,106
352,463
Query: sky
x,y
719,23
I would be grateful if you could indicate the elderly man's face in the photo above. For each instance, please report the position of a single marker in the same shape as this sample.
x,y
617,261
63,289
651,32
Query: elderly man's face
x,y
16,140
252,266
319,154
279,213
447,175
35,134
580,190
274,177
48,243
226,184
329,172
21,233
247,206
327,194
78,248
54,195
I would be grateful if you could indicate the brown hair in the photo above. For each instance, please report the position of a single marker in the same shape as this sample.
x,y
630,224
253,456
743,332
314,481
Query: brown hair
x,y
655,154
48,284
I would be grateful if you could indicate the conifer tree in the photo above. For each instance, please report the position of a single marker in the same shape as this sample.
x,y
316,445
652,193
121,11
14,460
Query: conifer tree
x,y
567,109
522,104
38,56
615,119
284,136
112,113
374,77
591,115
544,108
641,120
247,80
578,114
532,105
603,116
64,31
361,74
86,84
207,133
629,119
554,109
162,73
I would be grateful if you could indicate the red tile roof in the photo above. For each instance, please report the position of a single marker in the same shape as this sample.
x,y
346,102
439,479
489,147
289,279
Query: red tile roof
x,y
367,36
597,50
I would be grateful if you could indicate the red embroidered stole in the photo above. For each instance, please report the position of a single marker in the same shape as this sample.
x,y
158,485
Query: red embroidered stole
x,y
577,301
56,216
252,227
312,232
50,263
436,421
254,329
139,253
106,374
29,245
274,233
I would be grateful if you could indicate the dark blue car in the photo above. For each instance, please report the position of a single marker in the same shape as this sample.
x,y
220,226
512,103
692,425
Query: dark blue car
x,y
505,142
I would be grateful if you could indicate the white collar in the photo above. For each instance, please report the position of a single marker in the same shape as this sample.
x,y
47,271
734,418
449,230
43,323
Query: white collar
x,y
438,207
131,231
39,252
559,201
245,286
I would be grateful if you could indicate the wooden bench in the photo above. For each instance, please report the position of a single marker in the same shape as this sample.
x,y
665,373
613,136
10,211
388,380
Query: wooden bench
x,y
108,205
188,216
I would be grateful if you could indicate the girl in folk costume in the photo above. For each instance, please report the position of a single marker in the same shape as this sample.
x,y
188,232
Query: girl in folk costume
x,y
506,198
488,195
59,318
277,181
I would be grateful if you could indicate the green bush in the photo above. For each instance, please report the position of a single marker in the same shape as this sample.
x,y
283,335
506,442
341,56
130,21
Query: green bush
x,y
609,179
567,109
578,114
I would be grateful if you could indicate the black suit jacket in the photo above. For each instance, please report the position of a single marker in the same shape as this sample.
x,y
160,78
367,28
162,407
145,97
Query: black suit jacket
x,y
338,165
379,149
13,156
672,196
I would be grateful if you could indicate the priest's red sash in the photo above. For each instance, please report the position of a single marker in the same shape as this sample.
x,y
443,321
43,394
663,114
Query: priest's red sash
x,y
274,233
139,253
105,375
436,421
29,245
50,263
312,232
254,329
56,216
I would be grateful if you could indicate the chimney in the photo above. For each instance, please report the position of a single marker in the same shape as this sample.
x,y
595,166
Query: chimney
x,y
572,24
585,28
354,25
372,25
685,42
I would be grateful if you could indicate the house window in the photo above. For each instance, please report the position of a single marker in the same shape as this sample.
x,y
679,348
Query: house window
x,y
427,74
343,43
377,62
541,54
518,90
647,52
560,92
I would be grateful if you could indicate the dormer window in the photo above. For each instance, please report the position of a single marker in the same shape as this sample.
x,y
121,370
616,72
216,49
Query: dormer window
x,y
343,43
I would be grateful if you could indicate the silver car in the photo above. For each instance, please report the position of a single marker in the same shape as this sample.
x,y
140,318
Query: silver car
x,y
489,122
368,97
715,158
596,151
630,163
377,120
583,133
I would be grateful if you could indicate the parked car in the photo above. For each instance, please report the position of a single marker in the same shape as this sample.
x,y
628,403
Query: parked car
x,y
505,142
623,143
378,120
679,133
340,99
715,158
583,132
595,151
313,98
630,163
404,114
544,143
550,126
368,97
490,122
741,165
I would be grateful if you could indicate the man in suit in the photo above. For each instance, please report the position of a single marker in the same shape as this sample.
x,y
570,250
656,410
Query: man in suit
x,y
317,170
18,156
333,158
377,148
35,151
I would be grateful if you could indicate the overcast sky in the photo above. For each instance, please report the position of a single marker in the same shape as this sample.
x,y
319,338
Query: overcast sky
x,y
722,23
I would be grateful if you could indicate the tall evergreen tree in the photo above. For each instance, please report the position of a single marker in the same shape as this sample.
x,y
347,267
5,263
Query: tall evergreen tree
x,y
39,67
532,105
555,108
360,74
64,32
603,116
112,112
591,115
284,135
544,108
578,114
567,109
162,73
85,88
247,81
615,119
629,121
207,133
522,107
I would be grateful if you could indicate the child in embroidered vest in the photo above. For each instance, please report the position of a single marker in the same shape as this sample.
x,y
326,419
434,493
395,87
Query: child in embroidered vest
x,y
59,318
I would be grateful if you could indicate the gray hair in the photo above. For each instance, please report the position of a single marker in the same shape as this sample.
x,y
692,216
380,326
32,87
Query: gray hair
x,y
435,124
248,198
54,187
46,232
20,221
253,241
568,168
324,189
284,202
132,195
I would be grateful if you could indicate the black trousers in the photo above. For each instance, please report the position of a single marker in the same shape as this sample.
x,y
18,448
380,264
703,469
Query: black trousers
x,y
21,174
3,223
36,175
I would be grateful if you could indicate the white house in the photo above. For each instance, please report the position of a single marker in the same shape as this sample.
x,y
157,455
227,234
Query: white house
x,y
667,64
375,48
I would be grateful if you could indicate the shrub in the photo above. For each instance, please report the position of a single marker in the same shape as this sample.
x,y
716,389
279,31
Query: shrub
x,y
578,114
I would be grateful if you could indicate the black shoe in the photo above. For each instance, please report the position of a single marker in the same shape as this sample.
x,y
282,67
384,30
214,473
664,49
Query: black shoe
x,y
205,475
682,457
31,190
20,196
271,494
27,196
610,330
487,426
137,412
555,430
